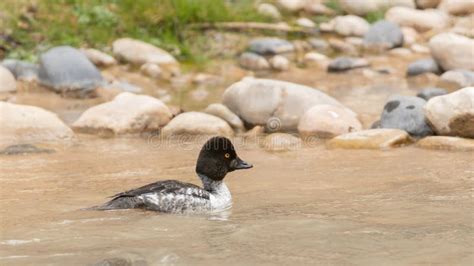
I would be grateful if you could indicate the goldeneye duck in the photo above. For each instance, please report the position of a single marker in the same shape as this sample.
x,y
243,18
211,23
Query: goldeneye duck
x,y
216,159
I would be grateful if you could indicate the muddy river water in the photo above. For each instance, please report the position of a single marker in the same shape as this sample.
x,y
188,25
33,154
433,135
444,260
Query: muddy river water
x,y
308,206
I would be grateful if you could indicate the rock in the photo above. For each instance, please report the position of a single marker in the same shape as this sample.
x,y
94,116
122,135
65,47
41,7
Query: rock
x,y
420,49
7,80
279,62
382,138
139,53
446,143
421,66
64,69
317,8
410,35
384,33
21,149
270,46
305,22
223,112
400,52
346,63
327,121
195,123
421,20
269,10
457,79
319,45
254,133
30,124
355,41
99,58
457,7
375,124
452,51
126,113
152,70
406,113
253,61
291,5
464,26
343,47
452,114
429,93
424,4
281,142
349,25
316,59
21,70
365,7
301,46
276,104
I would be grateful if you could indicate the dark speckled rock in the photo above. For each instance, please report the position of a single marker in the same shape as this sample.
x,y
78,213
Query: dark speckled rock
x,y
65,68
406,113
421,66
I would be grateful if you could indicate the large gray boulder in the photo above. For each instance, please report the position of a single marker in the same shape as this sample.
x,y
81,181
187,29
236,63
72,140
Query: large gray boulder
x,y
64,68
452,114
276,104
385,34
406,113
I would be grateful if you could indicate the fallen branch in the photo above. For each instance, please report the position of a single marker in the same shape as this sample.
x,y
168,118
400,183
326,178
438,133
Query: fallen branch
x,y
242,26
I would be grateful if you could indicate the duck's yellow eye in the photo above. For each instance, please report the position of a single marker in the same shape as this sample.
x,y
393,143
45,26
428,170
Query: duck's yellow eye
x,y
227,155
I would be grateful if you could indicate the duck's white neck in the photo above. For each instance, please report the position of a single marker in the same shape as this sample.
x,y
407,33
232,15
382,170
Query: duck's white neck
x,y
220,194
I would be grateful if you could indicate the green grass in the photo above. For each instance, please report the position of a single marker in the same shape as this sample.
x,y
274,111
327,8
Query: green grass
x,y
97,23
375,16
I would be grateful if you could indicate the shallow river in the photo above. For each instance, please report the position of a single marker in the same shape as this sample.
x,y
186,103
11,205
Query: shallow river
x,y
310,206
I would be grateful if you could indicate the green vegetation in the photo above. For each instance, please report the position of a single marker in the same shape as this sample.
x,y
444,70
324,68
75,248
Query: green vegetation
x,y
31,28
375,16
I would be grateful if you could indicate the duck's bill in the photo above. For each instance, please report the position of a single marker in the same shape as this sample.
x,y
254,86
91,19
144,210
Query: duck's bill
x,y
240,164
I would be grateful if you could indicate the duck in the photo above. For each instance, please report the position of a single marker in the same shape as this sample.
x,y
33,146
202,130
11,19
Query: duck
x,y
216,158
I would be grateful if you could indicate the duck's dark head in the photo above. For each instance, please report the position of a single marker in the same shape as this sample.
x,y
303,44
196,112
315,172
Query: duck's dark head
x,y
217,158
